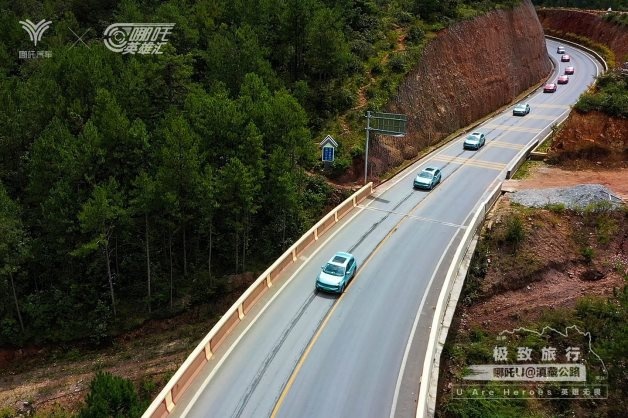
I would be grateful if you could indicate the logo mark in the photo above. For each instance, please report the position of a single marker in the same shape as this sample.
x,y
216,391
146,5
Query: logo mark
x,y
79,39
35,31
137,38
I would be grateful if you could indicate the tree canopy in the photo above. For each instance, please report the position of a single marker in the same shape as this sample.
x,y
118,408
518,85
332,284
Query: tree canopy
x,y
128,180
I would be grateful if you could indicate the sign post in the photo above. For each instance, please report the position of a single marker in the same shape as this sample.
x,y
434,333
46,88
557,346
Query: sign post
x,y
384,123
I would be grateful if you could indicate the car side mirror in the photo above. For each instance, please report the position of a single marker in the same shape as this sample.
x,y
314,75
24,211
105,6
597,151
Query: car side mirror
x,y
322,267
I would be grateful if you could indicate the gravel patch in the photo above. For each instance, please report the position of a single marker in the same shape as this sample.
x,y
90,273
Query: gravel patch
x,y
576,197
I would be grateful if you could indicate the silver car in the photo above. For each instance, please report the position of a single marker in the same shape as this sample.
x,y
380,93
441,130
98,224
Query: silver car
x,y
428,178
521,109
474,141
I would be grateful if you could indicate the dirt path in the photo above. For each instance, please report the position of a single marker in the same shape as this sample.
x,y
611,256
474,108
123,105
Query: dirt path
x,y
545,177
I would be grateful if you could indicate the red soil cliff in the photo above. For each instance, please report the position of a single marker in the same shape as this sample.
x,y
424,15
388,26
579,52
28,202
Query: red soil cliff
x,y
469,70
590,25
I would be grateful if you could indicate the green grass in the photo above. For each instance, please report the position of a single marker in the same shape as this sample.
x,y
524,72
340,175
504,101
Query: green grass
x,y
547,143
525,170
618,18
558,208
604,317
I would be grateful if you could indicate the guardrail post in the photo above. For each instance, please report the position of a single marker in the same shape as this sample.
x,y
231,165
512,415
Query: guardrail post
x,y
165,397
169,403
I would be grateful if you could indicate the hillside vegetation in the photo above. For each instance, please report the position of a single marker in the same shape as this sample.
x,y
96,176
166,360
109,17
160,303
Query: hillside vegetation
x,y
610,95
134,186
584,4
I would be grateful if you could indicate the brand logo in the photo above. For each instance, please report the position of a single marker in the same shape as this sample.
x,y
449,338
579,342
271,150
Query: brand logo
x,y
137,38
35,31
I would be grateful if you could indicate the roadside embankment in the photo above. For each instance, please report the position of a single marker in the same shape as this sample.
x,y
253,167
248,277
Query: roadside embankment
x,y
465,73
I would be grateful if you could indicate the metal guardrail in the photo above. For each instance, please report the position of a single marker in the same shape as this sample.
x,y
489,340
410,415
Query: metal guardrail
x,y
167,399
577,45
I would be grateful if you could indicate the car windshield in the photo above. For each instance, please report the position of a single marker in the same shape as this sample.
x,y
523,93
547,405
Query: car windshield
x,y
520,106
333,270
426,175
473,138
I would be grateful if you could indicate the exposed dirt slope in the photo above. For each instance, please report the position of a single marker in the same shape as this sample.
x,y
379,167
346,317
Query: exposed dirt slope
x,y
591,138
590,25
465,73
548,273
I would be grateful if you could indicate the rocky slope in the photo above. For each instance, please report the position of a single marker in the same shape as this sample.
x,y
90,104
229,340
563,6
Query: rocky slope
x,y
469,70
591,137
590,25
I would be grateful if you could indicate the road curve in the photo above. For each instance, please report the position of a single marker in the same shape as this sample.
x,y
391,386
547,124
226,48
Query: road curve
x,y
308,354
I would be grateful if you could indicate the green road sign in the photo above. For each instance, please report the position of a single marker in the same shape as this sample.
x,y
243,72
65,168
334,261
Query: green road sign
x,y
388,123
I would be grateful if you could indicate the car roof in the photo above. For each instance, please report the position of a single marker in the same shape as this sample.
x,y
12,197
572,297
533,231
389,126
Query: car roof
x,y
430,169
521,105
340,258
476,133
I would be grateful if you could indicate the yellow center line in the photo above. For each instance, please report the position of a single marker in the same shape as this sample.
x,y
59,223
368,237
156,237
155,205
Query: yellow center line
x,y
502,144
514,128
329,314
552,106
306,353
540,117
419,218
469,162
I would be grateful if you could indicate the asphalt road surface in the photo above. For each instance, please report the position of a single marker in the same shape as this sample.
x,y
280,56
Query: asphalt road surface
x,y
309,354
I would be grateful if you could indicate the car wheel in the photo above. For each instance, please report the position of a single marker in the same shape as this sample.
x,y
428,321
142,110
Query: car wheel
x,y
342,289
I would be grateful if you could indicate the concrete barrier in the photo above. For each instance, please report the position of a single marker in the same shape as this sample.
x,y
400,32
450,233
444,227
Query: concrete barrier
x,y
167,399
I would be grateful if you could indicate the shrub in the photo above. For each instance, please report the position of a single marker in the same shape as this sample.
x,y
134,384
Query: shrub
x,y
397,63
556,207
111,396
377,69
515,232
415,35
587,253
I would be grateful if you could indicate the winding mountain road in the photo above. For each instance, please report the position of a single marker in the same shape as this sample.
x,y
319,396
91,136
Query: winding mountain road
x,y
308,354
